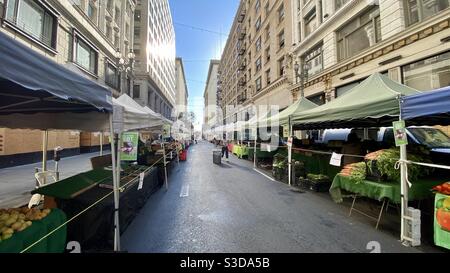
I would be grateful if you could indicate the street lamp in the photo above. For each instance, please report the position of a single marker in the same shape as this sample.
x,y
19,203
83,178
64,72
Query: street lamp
x,y
125,66
303,76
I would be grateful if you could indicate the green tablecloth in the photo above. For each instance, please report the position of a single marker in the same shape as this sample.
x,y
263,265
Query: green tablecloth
x,y
314,163
240,150
55,243
421,189
74,185
259,154
441,236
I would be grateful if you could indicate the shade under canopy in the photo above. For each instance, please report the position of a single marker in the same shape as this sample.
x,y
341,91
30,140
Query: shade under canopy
x,y
374,102
38,93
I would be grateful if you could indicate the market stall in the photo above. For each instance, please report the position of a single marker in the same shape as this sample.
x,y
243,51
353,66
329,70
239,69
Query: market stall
x,y
37,93
373,103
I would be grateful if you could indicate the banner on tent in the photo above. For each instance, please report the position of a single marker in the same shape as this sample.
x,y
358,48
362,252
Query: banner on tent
x,y
129,146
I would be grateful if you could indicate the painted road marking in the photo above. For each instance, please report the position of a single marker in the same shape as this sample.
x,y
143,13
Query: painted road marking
x,y
184,191
268,177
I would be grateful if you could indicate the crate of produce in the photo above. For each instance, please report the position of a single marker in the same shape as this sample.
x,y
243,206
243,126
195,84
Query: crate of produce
x,y
316,182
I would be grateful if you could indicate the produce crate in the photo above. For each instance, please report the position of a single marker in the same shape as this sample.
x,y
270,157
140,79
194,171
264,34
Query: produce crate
x,y
373,173
318,185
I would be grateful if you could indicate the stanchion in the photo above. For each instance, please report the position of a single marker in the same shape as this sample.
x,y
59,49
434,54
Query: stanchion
x,y
115,188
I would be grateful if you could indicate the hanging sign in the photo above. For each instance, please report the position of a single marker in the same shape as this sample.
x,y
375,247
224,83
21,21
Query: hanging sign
x,y
285,131
129,146
400,135
336,160
166,131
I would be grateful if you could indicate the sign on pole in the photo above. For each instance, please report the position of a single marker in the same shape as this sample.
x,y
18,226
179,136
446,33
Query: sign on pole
x,y
285,131
289,142
166,131
400,135
129,146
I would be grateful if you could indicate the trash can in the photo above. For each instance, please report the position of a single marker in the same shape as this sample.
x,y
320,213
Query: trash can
x,y
217,157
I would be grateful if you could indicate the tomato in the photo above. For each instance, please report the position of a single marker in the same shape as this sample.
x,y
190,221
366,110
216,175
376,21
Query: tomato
x,y
438,188
443,218
446,186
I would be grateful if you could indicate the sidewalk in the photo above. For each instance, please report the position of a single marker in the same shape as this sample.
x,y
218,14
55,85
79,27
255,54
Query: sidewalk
x,y
17,182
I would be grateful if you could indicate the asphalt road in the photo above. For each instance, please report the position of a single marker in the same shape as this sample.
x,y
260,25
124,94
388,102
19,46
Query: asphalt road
x,y
232,208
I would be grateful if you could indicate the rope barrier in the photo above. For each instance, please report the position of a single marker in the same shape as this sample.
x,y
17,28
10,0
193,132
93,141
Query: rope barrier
x,y
121,189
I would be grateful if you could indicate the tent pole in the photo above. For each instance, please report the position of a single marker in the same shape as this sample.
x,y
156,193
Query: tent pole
x,y
403,186
101,144
44,150
115,188
166,183
254,148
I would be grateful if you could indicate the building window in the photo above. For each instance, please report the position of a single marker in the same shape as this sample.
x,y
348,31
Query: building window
x,y
257,5
34,19
281,67
258,84
419,10
85,55
281,13
136,91
137,16
258,65
111,76
310,22
267,54
258,44
268,77
281,40
258,23
318,99
339,3
428,74
359,34
314,60
92,11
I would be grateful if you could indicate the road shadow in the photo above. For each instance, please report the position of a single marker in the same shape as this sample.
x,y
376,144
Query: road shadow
x,y
225,165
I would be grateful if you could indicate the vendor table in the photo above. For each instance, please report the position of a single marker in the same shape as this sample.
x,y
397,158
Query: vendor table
x,y
441,234
94,228
314,163
421,189
259,154
55,243
382,191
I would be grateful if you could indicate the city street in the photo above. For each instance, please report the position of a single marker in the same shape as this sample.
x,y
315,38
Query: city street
x,y
232,208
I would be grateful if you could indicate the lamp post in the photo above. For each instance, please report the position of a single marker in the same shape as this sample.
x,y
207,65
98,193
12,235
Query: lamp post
x,y
303,75
126,66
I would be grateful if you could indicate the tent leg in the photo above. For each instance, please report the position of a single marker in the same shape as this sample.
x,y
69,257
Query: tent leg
x,y
44,150
115,189
101,144
290,164
403,193
166,182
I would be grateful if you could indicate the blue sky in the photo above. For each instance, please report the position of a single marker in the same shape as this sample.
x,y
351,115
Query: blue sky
x,y
198,24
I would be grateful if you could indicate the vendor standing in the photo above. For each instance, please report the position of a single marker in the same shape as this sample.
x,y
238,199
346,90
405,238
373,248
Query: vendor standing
x,y
352,147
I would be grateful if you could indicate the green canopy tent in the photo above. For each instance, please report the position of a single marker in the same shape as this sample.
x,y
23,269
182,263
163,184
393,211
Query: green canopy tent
x,y
375,102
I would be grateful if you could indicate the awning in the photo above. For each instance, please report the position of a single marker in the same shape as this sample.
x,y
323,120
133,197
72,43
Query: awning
x,y
301,105
374,102
428,108
38,93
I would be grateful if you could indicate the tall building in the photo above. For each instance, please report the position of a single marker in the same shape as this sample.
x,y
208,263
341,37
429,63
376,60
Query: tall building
x,y
255,66
154,47
92,38
339,43
211,113
182,93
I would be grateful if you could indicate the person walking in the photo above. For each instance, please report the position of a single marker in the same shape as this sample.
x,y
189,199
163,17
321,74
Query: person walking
x,y
224,145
